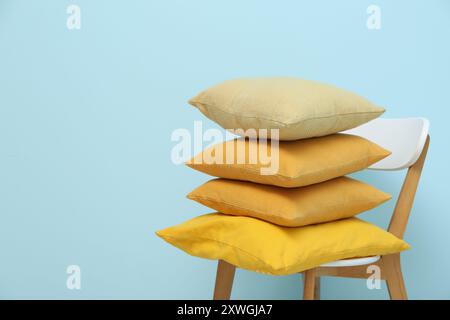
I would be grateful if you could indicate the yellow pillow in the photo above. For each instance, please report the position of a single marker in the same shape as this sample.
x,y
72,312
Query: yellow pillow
x,y
264,247
298,108
327,201
297,163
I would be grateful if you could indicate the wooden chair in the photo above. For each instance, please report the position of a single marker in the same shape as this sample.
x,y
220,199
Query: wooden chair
x,y
408,141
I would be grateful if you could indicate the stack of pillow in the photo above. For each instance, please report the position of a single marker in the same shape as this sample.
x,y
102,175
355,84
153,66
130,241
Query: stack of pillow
x,y
302,214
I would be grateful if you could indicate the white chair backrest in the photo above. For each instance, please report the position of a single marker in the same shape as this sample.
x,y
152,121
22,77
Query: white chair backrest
x,y
405,138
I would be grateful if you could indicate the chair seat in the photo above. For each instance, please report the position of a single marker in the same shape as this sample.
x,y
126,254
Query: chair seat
x,y
352,262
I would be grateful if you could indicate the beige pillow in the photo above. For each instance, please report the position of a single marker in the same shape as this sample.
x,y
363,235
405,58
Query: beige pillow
x,y
335,199
298,108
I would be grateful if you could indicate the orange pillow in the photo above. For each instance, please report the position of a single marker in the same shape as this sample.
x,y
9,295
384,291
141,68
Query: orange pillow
x,y
293,164
294,207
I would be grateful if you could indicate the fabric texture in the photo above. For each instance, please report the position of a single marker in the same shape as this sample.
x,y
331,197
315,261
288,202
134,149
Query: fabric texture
x,y
335,199
299,163
264,247
298,108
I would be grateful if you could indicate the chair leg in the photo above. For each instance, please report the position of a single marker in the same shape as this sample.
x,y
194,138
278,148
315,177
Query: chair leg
x,y
394,278
317,289
224,280
309,284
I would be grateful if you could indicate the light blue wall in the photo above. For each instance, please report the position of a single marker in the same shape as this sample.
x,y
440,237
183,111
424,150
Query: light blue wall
x,y
86,118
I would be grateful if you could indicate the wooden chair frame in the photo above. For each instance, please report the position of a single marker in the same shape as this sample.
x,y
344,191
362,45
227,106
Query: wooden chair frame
x,y
389,264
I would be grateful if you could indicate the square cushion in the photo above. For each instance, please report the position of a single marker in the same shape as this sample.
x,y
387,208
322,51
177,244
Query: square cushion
x,y
300,162
326,201
298,108
264,247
